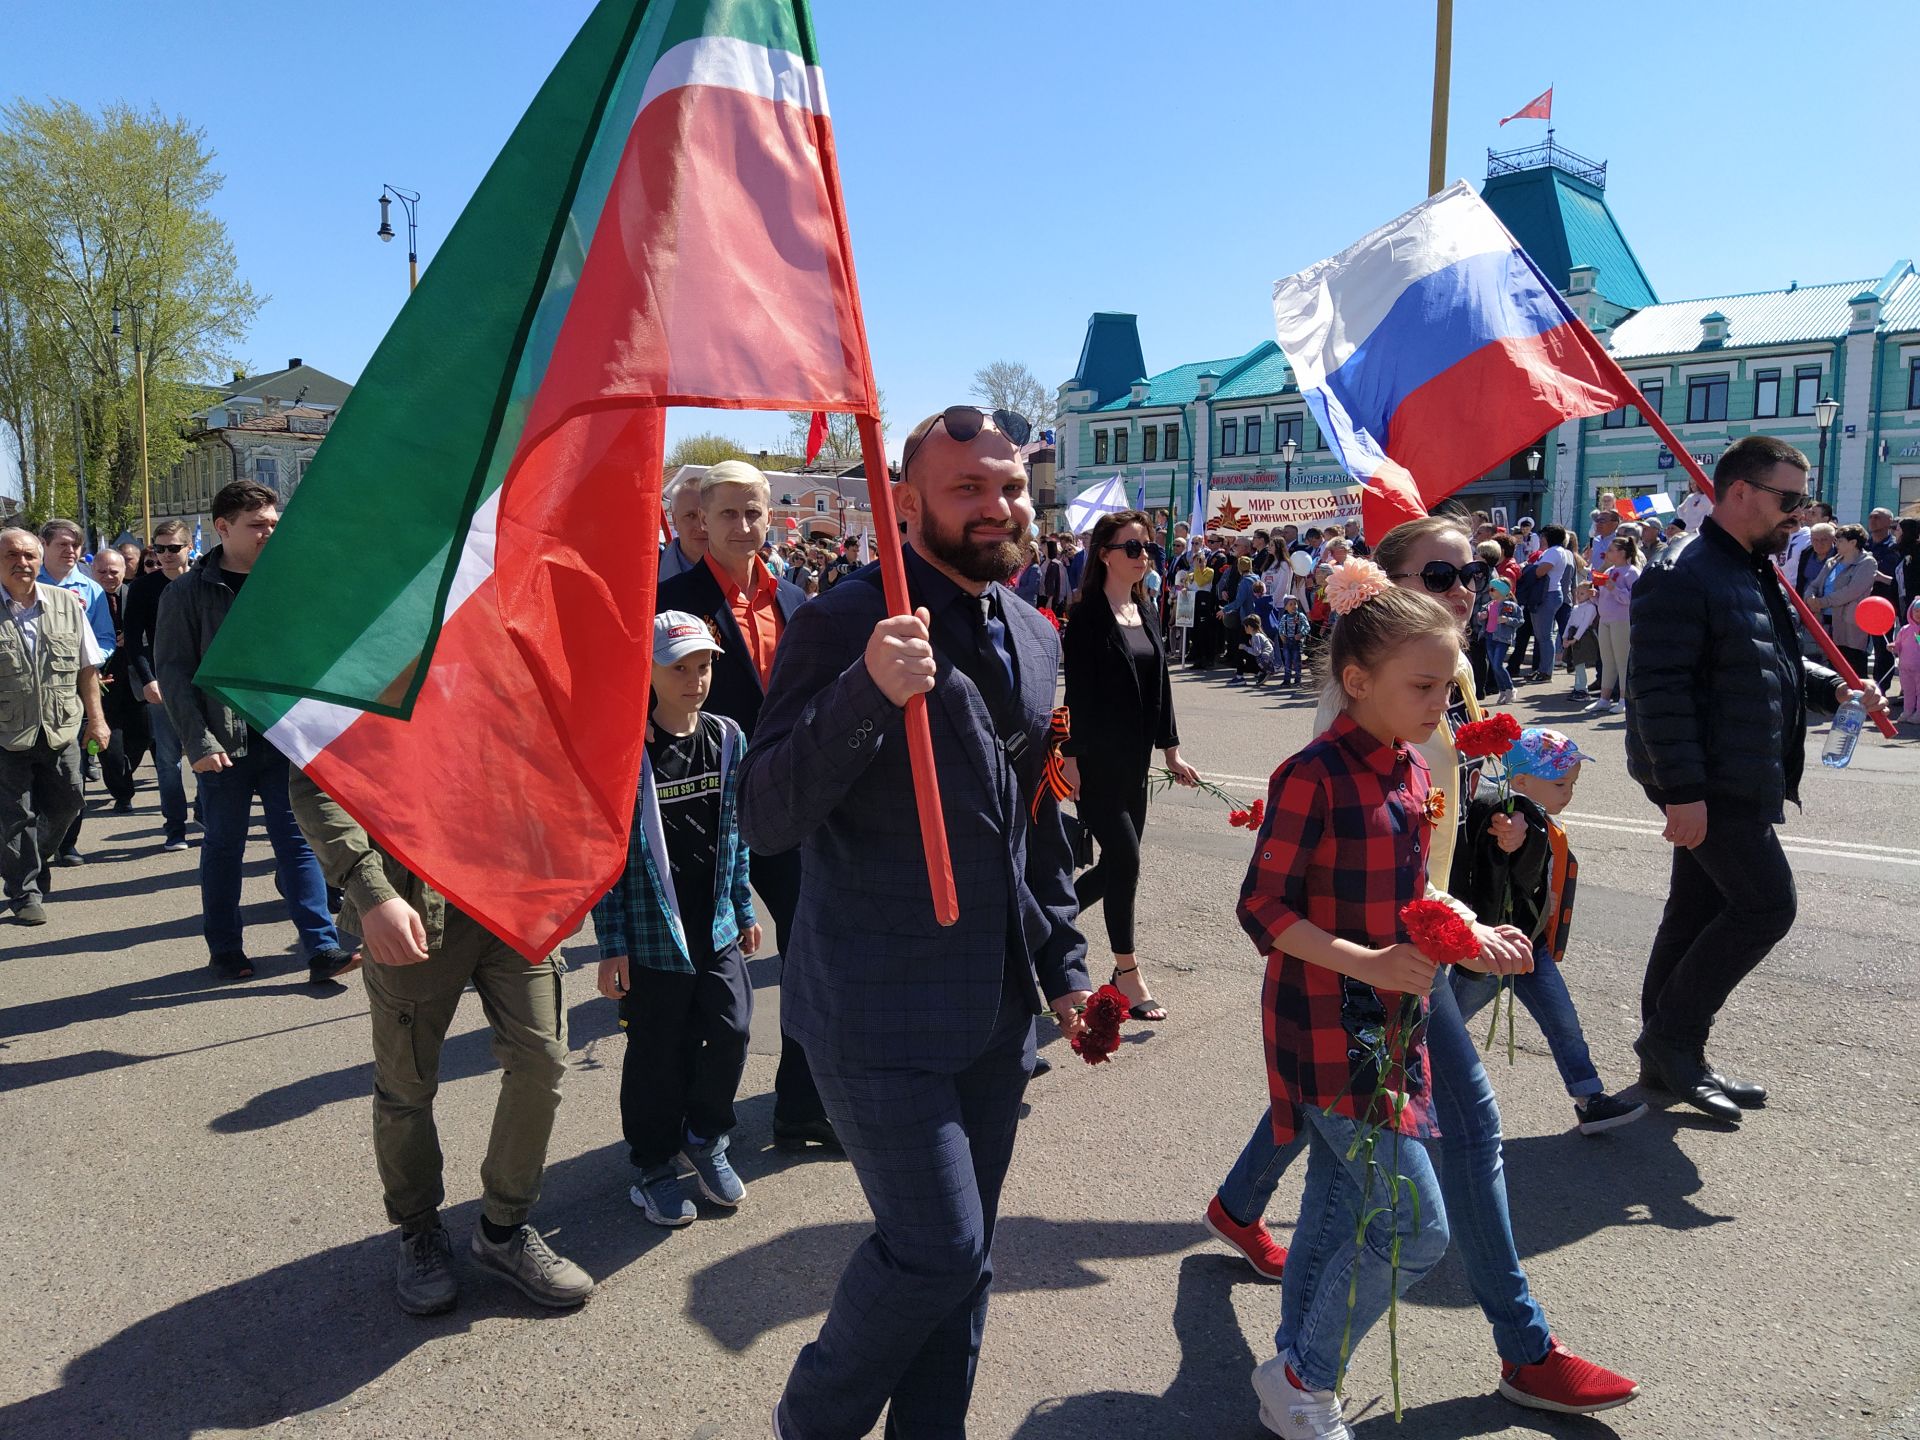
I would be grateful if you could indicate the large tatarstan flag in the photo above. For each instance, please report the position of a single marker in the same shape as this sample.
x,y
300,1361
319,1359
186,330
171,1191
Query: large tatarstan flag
x,y
1433,350
451,631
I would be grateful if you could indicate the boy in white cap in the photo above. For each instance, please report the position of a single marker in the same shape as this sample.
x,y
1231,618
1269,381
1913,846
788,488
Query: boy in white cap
x,y
1533,888
674,932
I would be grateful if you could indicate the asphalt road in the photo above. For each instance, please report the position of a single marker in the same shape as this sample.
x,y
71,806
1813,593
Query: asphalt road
x,y
196,1244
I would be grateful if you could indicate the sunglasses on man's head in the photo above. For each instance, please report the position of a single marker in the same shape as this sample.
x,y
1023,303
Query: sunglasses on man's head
x,y
963,422
1134,548
168,549
1440,576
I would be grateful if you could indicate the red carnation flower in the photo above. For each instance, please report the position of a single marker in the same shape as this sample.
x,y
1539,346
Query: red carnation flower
x,y
1438,932
1493,736
1248,819
1107,1009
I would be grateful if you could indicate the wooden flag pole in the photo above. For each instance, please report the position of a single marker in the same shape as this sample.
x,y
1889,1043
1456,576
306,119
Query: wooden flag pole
x,y
893,579
1442,84
1807,618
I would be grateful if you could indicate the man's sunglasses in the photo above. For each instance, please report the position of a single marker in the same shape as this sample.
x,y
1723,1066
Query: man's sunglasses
x,y
1440,576
964,422
167,549
1134,548
1791,501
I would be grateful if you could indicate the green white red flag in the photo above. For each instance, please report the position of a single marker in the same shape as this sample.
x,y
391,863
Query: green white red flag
x,y
448,631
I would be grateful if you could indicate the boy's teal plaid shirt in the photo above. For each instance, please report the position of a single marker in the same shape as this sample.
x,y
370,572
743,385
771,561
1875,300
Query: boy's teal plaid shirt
x,y
640,917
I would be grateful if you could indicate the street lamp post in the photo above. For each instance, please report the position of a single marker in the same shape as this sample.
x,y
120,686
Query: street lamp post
x,y
140,383
1824,414
409,201
1289,453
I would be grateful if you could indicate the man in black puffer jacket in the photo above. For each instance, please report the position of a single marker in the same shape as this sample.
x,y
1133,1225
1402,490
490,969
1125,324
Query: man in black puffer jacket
x,y
1717,703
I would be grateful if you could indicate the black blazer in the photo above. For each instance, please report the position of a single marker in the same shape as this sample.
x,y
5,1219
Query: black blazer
x,y
1112,718
737,692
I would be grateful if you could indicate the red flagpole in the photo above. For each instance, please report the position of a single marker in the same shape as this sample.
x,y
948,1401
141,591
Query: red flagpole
x,y
893,579
1807,617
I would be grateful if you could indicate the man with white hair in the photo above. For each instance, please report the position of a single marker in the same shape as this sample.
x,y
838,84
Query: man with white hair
x,y
49,685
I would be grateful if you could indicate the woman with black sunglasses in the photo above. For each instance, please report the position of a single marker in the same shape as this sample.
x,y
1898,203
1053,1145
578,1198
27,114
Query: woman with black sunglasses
x,y
1120,697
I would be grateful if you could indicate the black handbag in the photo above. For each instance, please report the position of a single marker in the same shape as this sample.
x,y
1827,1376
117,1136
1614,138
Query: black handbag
x,y
1079,839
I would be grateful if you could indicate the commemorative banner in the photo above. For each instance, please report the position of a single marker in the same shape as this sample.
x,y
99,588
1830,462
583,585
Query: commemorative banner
x,y
1239,512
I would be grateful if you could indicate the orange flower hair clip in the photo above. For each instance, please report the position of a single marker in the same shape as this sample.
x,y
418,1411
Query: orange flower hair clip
x,y
1351,585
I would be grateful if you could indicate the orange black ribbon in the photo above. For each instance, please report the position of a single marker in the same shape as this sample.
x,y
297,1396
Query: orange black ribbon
x,y
1053,776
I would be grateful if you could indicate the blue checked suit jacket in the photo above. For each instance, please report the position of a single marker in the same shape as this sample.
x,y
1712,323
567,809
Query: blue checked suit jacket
x,y
871,978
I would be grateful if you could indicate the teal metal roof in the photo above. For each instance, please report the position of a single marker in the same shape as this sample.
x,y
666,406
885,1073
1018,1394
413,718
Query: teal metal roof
x,y
1110,356
1265,373
1177,386
1771,317
1900,302
1563,221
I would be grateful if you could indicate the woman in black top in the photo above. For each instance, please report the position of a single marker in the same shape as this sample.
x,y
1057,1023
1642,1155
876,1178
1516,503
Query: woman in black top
x,y
1120,696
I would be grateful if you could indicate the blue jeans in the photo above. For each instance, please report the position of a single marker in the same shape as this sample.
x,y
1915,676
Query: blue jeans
x,y
1544,993
1290,659
1472,1181
1497,664
1546,636
1331,1279
166,767
227,802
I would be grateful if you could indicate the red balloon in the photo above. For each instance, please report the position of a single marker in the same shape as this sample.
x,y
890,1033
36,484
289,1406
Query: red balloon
x,y
1874,615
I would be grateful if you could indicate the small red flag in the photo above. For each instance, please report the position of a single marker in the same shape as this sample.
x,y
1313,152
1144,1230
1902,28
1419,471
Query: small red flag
x,y
816,434
1624,507
1539,108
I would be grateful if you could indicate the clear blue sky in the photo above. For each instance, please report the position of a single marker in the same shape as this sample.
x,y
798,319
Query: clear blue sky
x,y
1013,165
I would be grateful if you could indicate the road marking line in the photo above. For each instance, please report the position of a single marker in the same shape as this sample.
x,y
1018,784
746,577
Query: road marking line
x,y
1801,844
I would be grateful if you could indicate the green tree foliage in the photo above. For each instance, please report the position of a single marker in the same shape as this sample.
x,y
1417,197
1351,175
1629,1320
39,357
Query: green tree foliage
x,y
98,213
704,449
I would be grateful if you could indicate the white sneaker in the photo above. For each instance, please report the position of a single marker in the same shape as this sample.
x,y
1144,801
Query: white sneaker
x,y
1617,708
1506,697
1598,707
1293,1413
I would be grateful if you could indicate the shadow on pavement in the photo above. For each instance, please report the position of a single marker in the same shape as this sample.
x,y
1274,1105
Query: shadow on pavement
x,y
1211,1393
463,1057
310,1333
741,1297
1564,1188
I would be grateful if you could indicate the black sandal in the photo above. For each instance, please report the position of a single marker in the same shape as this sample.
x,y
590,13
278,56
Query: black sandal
x,y
1140,1011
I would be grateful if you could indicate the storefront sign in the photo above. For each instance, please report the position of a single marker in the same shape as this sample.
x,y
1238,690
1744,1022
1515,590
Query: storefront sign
x,y
1235,512
1702,458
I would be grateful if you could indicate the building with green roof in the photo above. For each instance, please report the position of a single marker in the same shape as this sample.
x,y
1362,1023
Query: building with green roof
x,y
1718,367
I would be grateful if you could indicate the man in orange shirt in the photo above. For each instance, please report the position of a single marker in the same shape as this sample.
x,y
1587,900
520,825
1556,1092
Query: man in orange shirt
x,y
747,607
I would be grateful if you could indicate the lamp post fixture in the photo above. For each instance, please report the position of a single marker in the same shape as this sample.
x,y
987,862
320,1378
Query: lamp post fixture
x,y
409,201
140,382
1824,414
1289,453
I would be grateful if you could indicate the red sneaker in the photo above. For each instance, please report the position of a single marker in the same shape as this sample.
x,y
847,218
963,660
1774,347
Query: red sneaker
x,y
1565,1383
1265,1254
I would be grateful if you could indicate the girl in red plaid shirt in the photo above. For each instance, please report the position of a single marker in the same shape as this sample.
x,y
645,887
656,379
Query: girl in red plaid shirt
x,y
1343,848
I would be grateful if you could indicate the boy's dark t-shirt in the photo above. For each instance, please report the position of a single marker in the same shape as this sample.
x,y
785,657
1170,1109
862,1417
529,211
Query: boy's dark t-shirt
x,y
686,783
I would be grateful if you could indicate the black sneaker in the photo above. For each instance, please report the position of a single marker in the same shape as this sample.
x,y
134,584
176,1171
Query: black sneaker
x,y
232,965
423,1279
69,857
29,912
330,964
123,807
1604,1112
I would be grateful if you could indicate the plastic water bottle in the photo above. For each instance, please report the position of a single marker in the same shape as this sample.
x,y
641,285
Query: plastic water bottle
x,y
1845,733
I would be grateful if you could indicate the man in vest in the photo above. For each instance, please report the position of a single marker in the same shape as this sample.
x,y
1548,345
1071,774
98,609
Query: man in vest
x,y
49,680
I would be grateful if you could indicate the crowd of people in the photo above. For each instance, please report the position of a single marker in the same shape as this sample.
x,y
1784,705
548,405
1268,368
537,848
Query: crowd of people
x,y
775,778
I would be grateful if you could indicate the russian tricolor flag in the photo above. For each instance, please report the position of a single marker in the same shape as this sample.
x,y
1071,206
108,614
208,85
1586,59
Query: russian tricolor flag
x,y
1433,350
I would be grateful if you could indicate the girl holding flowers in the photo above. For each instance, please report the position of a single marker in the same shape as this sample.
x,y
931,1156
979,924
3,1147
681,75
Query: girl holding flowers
x,y
1434,558
1341,851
